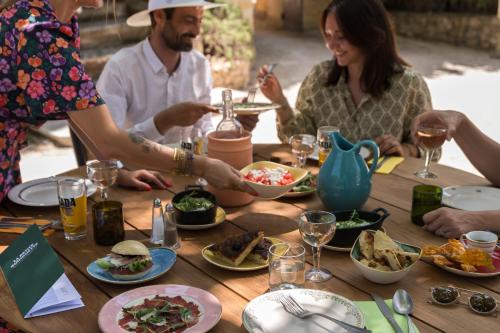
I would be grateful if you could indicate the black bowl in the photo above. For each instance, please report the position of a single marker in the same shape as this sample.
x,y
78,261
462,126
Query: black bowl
x,y
199,216
347,237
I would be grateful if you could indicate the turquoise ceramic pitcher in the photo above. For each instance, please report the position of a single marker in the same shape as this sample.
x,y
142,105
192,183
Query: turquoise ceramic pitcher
x,y
344,180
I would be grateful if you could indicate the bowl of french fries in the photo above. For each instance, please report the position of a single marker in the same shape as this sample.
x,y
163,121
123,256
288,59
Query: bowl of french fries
x,y
381,259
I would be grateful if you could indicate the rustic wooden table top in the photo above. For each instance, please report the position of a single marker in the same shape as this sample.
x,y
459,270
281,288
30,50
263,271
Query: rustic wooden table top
x,y
276,218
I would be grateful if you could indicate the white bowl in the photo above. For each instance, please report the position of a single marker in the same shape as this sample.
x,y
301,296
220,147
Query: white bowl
x,y
382,277
273,191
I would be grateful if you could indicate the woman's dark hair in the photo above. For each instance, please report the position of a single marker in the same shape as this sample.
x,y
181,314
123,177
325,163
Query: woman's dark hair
x,y
365,24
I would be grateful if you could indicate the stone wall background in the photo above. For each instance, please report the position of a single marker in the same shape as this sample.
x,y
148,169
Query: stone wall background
x,y
475,31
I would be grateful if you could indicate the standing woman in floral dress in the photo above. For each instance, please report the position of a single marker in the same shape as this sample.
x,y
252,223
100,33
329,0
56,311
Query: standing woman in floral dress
x,y
42,78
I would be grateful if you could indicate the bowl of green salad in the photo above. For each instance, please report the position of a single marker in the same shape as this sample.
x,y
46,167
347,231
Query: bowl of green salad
x,y
195,207
350,223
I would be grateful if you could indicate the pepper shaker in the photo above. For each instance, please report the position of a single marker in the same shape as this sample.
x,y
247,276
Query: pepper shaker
x,y
170,238
157,225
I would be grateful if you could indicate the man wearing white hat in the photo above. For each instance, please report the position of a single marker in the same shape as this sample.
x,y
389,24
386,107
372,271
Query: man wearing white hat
x,y
160,88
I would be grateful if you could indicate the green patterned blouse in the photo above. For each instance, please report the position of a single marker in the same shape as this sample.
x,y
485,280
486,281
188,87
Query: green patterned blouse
x,y
392,113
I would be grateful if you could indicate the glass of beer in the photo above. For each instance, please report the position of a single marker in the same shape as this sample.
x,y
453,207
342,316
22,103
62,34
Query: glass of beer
x,y
324,142
72,194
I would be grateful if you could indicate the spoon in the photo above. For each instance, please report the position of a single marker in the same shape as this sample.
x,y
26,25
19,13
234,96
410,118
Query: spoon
x,y
402,304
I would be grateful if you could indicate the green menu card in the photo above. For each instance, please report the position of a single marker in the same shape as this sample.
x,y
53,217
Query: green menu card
x,y
36,276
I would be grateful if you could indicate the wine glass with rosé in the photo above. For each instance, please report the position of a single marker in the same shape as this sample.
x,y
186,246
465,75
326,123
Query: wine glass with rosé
x,y
430,138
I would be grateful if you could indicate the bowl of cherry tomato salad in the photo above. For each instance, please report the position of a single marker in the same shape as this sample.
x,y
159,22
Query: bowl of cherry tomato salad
x,y
271,180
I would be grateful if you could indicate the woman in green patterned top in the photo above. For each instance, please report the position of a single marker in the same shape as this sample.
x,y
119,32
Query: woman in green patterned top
x,y
366,90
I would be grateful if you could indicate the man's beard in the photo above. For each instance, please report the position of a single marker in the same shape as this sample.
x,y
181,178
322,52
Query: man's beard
x,y
180,43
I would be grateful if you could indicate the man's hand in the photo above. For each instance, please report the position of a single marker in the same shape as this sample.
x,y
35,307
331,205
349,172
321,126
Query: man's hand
x,y
451,223
248,121
182,114
389,145
142,180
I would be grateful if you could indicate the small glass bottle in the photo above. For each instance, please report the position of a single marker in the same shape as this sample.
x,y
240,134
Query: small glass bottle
x,y
171,237
186,141
197,140
229,127
157,228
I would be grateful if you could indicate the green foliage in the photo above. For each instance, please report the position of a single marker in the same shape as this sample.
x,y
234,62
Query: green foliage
x,y
227,34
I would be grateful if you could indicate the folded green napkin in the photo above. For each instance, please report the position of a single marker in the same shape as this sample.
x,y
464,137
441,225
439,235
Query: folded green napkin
x,y
375,320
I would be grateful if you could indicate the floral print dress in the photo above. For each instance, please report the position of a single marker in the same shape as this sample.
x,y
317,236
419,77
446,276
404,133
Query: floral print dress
x,y
41,78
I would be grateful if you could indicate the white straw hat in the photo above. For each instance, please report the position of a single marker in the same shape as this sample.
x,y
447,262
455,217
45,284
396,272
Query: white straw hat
x,y
142,19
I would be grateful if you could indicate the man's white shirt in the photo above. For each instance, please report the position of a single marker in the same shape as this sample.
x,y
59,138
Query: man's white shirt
x,y
136,86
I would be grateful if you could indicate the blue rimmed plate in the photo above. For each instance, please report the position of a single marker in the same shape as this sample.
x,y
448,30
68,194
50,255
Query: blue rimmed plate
x,y
163,260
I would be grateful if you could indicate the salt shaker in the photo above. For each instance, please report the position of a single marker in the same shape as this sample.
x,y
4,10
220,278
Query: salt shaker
x,y
170,238
157,225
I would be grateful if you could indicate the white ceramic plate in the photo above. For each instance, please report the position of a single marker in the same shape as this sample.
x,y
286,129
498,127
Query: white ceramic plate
x,y
245,109
209,306
41,192
364,152
219,218
246,265
266,314
472,198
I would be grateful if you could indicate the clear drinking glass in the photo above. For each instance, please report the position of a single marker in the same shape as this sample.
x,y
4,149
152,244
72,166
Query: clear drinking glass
x,y
324,142
72,194
302,146
429,138
317,228
287,262
103,174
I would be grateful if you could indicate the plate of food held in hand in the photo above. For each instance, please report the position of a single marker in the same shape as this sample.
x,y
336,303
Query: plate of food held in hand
x,y
245,109
381,259
271,180
131,262
454,257
305,187
159,309
244,252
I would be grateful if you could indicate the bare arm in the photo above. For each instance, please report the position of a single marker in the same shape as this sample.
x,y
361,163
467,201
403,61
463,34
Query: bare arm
x,y
482,151
96,129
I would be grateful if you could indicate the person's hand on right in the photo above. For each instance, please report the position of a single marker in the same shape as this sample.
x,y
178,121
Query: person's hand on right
x,y
271,87
451,120
451,223
181,114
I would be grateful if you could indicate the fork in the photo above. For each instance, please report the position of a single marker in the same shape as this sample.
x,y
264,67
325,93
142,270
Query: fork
x,y
252,91
291,306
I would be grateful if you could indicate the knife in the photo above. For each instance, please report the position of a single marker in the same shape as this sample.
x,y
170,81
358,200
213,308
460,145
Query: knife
x,y
386,312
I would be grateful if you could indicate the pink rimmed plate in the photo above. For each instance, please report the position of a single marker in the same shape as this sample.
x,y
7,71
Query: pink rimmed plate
x,y
209,306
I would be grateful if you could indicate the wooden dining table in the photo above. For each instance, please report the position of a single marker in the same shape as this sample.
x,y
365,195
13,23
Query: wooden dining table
x,y
277,218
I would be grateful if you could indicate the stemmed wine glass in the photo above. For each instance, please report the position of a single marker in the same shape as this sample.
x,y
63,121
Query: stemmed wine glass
x,y
302,146
429,138
103,174
317,228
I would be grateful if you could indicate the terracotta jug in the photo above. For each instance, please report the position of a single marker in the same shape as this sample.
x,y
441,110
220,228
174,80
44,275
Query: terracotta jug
x,y
238,153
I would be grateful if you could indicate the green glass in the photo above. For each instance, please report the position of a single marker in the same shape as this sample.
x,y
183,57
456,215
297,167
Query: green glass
x,y
107,219
426,198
